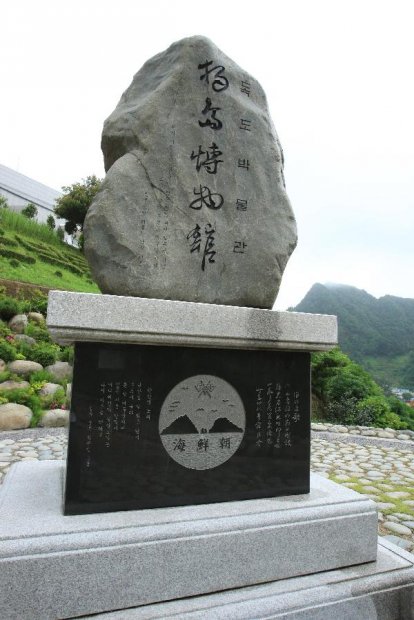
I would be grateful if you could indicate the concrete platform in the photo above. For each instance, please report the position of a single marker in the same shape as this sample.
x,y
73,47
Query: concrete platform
x,y
54,566
381,590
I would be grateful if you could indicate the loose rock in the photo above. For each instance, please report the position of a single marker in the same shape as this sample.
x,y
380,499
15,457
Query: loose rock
x,y
18,323
26,339
55,418
6,386
24,368
60,370
37,317
49,389
14,417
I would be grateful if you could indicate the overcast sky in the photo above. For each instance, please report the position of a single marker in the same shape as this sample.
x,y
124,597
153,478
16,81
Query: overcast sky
x,y
338,75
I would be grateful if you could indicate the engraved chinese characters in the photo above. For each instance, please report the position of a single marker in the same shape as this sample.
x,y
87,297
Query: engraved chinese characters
x,y
202,422
193,206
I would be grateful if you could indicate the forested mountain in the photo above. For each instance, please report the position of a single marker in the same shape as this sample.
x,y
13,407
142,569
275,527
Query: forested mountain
x,y
378,333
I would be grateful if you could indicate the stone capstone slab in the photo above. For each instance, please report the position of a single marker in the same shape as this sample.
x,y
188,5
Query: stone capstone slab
x,y
194,205
84,317
168,553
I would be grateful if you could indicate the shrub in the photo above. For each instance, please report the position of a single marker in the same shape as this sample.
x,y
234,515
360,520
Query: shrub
x,y
14,263
3,202
8,242
4,376
21,257
51,222
67,354
44,353
38,302
4,329
59,274
9,307
7,351
39,332
30,211
60,233
42,376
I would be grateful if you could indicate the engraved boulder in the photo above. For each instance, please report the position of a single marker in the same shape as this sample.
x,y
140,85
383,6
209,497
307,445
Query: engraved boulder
x,y
193,206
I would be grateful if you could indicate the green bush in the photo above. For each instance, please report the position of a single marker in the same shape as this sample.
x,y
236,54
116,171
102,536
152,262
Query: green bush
x,y
44,353
59,274
4,376
4,329
42,376
7,351
14,263
30,211
67,354
39,332
9,307
8,242
21,257
54,401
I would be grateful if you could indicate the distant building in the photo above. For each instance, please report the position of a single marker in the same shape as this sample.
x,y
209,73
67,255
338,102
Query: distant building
x,y
19,190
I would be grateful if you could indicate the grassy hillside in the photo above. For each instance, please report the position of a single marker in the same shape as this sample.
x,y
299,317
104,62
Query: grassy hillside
x,y
377,333
32,252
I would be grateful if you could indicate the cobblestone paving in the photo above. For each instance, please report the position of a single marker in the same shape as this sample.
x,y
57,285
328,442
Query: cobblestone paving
x,y
385,473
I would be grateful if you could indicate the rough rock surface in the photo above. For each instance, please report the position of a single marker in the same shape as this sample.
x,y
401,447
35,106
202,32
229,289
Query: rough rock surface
x,y
18,323
60,370
49,389
37,317
14,417
24,368
193,206
27,339
5,386
54,418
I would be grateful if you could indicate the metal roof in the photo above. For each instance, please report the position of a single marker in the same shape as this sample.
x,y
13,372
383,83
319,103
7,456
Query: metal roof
x,y
27,188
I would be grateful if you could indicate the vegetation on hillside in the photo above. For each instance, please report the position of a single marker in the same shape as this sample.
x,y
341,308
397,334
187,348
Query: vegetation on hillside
x,y
43,351
75,201
32,252
377,333
344,393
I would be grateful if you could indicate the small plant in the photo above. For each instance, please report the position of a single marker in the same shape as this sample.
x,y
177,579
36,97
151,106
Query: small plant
x,y
67,354
14,263
5,375
44,353
59,274
4,329
39,332
51,222
7,351
9,307
30,211
42,376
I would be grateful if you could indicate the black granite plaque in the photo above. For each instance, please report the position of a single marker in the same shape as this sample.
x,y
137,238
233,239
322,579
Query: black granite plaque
x,y
168,426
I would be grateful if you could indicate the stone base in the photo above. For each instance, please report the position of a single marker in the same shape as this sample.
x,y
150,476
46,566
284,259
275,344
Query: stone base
x,y
55,566
381,590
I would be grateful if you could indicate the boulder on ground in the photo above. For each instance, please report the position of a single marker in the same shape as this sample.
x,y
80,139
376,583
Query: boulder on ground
x,y
37,317
54,418
27,339
18,323
60,370
49,389
24,368
13,385
14,417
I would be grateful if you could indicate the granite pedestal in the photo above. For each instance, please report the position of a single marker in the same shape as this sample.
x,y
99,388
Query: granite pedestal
x,y
297,546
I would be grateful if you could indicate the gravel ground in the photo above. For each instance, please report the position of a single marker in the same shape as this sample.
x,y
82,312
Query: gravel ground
x,y
382,469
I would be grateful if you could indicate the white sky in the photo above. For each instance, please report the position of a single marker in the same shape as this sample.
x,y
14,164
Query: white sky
x,y
340,84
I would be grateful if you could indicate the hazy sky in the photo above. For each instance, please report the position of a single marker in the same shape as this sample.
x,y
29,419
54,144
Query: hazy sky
x,y
339,79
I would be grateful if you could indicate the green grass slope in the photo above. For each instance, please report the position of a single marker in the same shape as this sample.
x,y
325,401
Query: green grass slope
x,y
32,252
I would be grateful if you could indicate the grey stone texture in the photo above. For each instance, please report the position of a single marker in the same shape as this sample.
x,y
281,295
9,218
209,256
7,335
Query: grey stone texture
x,y
24,368
191,210
60,370
65,565
381,590
26,339
54,418
83,317
14,416
18,323
6,386
48,389
36,317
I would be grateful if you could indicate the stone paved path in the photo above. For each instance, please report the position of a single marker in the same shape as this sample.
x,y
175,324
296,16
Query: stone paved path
x,y
382,470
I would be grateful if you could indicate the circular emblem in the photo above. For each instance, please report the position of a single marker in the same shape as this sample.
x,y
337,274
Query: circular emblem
x,y
202,422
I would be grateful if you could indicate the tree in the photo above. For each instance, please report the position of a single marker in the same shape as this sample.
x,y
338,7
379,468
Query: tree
x,y
74,203
51,222
3,202
30,211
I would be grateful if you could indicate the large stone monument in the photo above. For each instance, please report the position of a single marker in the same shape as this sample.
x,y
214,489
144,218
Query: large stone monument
x,y
187,490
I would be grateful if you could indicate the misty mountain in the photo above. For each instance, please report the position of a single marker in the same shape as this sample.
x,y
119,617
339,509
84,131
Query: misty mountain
x,y
377,333
367,326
